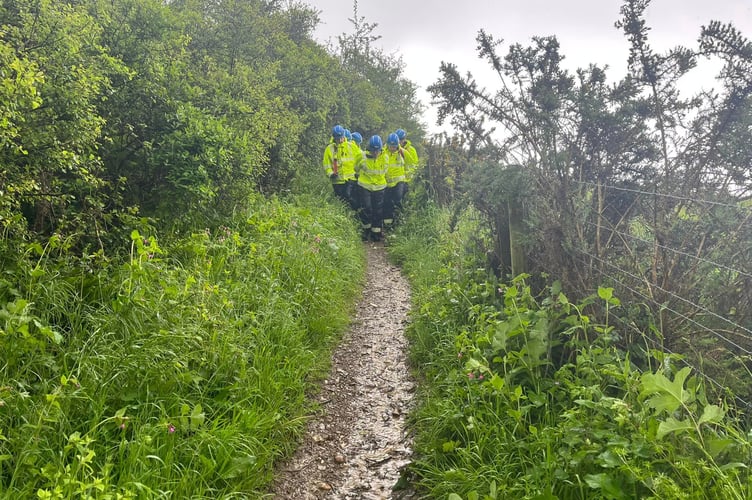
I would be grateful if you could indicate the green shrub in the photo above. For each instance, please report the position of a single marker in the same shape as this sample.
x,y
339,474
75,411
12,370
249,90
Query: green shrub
x,y
526,396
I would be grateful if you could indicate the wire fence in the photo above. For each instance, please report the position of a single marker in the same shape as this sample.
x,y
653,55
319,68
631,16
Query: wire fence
x,y
696,328
660,346
674,197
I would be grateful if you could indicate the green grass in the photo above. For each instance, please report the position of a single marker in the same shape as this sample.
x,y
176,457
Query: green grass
x,y
181,372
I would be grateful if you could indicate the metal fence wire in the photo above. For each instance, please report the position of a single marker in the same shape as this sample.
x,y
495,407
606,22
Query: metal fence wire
x,y
688,259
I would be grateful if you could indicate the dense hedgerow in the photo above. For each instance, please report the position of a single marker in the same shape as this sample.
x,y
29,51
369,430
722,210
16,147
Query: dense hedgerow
x,y
525,396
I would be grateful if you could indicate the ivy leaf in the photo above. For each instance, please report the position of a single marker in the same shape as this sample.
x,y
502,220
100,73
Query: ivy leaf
x,y
716,446
665,395
673,425
605,483
497,382
712,413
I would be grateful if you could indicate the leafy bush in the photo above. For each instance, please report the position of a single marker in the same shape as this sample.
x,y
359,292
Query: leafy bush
x,y
527,396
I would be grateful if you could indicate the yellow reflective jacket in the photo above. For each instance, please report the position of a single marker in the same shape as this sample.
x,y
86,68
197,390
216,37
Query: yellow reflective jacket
x,y
358,155
340,158
372,172
411,160
395,166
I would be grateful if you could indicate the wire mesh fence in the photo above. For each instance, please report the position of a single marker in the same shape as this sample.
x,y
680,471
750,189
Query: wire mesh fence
x,y
688,261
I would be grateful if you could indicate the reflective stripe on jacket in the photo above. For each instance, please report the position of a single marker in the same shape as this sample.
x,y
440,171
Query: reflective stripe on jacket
x,y
372,172
411,160
340,158
395,167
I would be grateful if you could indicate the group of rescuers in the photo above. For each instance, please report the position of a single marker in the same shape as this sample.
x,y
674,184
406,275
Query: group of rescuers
x,y
372,181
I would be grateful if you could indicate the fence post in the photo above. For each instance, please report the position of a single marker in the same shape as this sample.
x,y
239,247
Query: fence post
x,y
516,234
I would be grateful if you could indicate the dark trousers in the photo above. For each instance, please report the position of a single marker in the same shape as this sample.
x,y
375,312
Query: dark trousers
x,y
347,192
371,210
393,201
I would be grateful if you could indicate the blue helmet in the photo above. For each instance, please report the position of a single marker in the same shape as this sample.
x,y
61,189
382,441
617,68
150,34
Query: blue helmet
x,y
338,132
392,140
375,144
401,134
348,134
357,137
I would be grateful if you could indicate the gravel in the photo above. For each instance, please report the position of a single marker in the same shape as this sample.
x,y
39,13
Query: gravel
x,y
357,445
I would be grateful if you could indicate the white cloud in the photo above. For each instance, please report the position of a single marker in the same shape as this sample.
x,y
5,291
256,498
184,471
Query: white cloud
x,y
427,32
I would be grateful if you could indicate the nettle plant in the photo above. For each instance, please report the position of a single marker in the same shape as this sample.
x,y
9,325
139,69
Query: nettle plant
x,y
546,406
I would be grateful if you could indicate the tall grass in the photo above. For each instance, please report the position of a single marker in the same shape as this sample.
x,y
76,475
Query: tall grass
x,y
181,372
526,396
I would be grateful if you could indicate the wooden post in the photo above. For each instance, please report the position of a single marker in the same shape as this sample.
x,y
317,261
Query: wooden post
x,y
516,234
503,233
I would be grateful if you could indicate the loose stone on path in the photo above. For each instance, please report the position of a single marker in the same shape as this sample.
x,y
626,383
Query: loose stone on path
x,y
357,447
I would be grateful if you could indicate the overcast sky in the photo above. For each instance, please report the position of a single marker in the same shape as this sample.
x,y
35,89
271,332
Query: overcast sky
x,y
427,32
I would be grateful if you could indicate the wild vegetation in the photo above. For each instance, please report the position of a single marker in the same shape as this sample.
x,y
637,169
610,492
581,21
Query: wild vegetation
x,y
576,288
529,395
632,183
174,271
181,371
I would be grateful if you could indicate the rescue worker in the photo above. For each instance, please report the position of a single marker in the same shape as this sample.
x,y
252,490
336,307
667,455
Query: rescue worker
x,y
371,188
396,185
339,160
358,156
411,155
358,139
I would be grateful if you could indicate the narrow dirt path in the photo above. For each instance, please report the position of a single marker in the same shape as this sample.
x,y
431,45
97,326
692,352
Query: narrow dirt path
x,y
356,447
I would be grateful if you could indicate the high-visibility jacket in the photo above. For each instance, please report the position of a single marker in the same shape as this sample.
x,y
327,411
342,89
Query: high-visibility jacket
x,y
340,158
358,155
395,167
372,172
411,160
